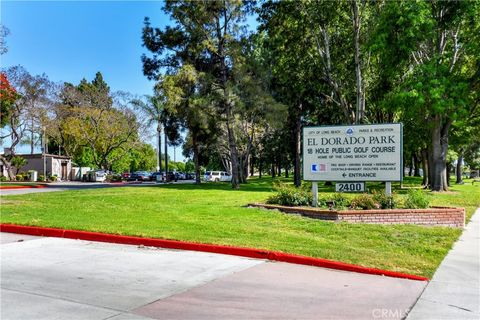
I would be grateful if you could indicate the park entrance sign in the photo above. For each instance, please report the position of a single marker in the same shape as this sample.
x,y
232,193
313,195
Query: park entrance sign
x,y
353,153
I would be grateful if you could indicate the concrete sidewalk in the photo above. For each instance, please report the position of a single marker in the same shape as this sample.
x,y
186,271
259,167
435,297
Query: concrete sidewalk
x,y
454,291
55,278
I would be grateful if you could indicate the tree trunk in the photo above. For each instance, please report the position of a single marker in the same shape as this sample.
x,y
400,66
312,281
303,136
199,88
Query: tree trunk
x,y
32,138
416,161
439,154
159,147
233,154
449,173
252,166
459,170
426,171
241,171
410,168
260,167
360,108
195,158
286,171
272,169
8,167
166,158
298,140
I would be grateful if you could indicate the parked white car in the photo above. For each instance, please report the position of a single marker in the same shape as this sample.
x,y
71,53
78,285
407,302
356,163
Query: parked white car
x,y
216,176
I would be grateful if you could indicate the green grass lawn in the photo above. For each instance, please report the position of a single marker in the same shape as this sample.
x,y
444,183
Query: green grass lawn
x,y
213,213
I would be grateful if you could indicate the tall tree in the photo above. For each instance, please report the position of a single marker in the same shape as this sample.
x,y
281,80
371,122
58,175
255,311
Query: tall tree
x,y
206,36
438,44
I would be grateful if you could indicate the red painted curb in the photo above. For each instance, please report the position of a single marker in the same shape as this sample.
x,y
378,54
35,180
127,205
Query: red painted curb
x,y
22,187
173,244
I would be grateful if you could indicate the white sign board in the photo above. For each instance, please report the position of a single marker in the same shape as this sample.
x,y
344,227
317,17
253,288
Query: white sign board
x,y
353,153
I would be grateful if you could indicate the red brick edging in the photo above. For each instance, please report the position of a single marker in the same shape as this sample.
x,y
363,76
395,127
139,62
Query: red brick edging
x,y
173,244
435,216
23,187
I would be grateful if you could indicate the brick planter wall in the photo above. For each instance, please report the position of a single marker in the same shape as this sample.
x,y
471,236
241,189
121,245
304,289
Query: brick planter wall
x,y
435,216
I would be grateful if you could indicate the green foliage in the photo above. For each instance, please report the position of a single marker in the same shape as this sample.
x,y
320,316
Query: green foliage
x,y
19,177
18,162
3,178
364,201
338,201
384,201
114,178
416,199
288,195
41,178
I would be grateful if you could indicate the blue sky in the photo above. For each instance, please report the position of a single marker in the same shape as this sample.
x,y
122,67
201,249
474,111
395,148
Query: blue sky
x,y
72,40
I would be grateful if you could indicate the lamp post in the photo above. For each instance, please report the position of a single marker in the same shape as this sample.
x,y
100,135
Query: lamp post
x,y
44,151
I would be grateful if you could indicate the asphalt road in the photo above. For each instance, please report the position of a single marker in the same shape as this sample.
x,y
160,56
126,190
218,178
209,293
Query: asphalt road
x,y
64,186
53,278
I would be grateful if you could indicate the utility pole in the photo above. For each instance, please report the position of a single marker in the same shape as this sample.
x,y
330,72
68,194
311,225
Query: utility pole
x,y
44,151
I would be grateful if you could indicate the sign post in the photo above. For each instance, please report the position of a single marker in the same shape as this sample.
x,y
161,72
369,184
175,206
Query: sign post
x,y
388,188
353,153
315,193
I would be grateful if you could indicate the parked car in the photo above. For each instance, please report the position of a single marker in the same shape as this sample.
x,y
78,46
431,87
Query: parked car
x,y
181,175
190,176
139,176
172,176
125,175
217,176
96,176
153,176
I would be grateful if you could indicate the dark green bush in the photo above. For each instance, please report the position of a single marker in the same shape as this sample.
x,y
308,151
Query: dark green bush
x,y
384,201
19,177
288,195
41,178
364,201
416,199
3,178
113,178
339,201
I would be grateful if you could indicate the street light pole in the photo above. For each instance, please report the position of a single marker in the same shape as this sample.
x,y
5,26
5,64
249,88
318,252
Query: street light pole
x,y
44,150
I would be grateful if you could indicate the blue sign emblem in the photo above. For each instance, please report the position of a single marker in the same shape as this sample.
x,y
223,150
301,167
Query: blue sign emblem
x,y
349,131
314,168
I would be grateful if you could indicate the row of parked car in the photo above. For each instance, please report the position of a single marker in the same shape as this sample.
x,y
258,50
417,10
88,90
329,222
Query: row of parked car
x,y
101,176
152,176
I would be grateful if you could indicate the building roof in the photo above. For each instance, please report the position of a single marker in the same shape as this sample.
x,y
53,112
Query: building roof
x,y
40,155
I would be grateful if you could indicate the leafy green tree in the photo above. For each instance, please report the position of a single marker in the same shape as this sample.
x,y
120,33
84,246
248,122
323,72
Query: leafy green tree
x,y
88,118
206,35
438,48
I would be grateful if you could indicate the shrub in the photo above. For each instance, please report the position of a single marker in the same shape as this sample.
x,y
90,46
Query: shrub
x,y
53,178
416,199
287,195
339,201
41,178
113,178
19,177
3,178
364,201
384,201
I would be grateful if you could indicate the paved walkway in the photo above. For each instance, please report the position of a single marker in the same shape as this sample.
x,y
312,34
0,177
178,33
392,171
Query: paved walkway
x,y
77,185
54,278
454,291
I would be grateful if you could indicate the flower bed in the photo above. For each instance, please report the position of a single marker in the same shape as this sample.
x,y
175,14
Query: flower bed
x,y
435,216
